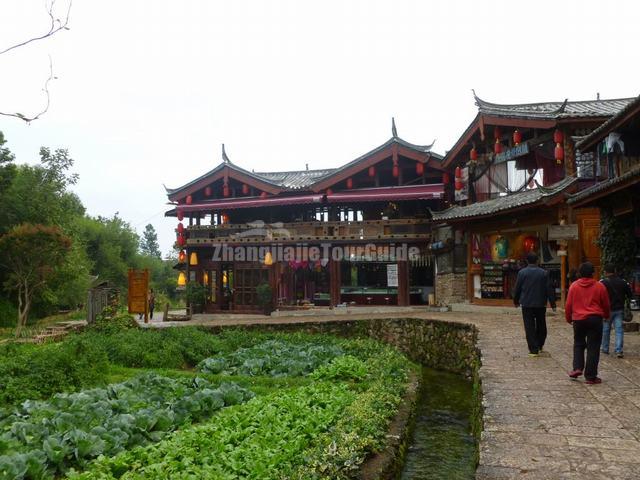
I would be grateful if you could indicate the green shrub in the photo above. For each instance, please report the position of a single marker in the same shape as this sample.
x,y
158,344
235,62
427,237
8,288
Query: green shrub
x,y
155,348
38,371
8,313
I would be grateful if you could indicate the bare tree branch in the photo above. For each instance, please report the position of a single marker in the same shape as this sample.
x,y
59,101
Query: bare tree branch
x,y
45,89
55,26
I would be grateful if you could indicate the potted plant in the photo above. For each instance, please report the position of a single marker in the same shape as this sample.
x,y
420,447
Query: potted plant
x,y
265,297
196,296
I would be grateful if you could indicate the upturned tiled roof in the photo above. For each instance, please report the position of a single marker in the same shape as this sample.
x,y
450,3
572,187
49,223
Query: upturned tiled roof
x,y
294,179
554,110
602,186
604,129
503,204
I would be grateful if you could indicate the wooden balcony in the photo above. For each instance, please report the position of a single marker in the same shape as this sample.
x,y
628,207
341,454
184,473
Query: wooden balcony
x,y
260,233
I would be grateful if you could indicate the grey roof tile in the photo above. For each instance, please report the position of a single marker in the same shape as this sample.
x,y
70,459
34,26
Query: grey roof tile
x,y
599,187
604,129
555,110
502,204
296,179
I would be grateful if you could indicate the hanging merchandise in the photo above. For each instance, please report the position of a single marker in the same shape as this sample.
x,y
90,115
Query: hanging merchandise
x,y
530,244
501,247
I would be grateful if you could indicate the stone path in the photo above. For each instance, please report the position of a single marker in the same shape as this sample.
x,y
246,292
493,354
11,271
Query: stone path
x,y
538,424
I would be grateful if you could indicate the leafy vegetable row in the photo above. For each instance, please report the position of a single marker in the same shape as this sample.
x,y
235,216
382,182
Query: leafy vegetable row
x,y
276,358
262,439
41,439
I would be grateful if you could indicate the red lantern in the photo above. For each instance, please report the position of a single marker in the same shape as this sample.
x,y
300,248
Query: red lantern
x,y
473,155
497,147
263,195
559,153
207,192
517,137
445,178
329,191
224,218
458,179
372,171
225,190
497,133
396,170
558,136
180,228
419,168
245,189
349,183
181,240
180,214
188,200
529,244
182,256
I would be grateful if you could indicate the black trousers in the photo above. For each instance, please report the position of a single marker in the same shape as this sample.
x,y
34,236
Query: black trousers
x,y
587,334
535,327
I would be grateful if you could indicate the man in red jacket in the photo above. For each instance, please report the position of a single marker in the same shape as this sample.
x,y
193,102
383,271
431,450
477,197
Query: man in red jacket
x,y
587,305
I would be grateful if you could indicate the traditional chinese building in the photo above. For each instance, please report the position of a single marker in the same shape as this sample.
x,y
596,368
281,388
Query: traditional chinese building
x,y
514,168
613,150
356,234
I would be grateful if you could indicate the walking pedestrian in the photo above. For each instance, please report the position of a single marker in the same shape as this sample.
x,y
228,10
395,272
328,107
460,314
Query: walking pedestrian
x,y
587,305
532,291
619,293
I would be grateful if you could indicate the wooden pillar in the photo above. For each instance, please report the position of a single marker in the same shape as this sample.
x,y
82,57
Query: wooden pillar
x,y
334,282
403,283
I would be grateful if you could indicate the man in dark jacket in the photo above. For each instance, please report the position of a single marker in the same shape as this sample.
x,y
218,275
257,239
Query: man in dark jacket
x,y
619,293
533,290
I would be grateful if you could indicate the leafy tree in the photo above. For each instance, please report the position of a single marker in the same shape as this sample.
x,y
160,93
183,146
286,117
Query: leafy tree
x,y
39,194
31,254
112,246
149,242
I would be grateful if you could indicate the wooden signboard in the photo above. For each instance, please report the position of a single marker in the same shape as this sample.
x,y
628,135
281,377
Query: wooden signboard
x,y
563,232
138,292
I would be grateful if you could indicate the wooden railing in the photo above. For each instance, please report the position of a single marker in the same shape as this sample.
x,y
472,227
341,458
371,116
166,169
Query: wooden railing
x,y
259,232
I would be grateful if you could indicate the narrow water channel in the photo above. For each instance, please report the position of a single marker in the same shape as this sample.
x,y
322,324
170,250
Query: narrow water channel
x,y
442,447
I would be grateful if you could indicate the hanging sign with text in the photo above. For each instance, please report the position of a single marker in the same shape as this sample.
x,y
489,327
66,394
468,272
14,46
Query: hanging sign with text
x,y
513,152
563,232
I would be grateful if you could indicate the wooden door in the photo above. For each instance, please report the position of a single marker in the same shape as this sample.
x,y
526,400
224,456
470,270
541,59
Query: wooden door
x,y
589,232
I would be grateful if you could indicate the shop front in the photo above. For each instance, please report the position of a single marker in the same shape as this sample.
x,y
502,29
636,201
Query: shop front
x,y
498,235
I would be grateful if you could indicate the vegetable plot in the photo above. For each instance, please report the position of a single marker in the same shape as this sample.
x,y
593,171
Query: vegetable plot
x,y
275,358
41,439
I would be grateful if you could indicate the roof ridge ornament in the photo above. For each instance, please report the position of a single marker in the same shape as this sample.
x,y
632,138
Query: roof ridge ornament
x,y
394,130
225,159
562,107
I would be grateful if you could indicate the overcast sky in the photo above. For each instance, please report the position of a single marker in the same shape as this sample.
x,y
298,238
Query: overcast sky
x,y
147,91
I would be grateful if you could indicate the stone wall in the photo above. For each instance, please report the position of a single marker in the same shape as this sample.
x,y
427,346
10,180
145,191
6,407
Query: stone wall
x,y
451,288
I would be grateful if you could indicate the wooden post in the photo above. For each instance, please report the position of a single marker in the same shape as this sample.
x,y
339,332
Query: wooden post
x,y
403,283
166,312
334,282
563,280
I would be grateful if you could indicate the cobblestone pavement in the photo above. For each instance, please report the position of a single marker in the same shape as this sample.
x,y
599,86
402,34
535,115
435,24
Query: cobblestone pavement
x,y
538,424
